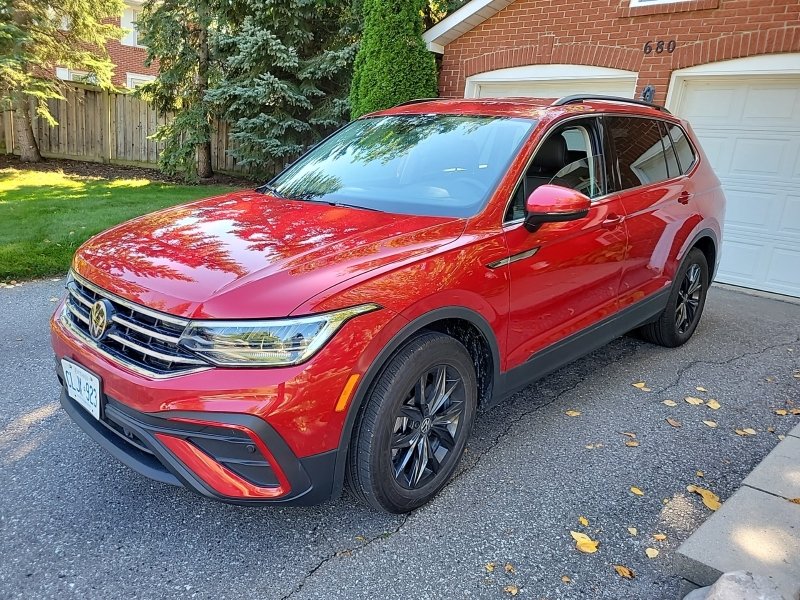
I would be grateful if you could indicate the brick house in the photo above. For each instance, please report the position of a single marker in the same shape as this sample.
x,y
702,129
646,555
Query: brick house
x,y
127,54
731,67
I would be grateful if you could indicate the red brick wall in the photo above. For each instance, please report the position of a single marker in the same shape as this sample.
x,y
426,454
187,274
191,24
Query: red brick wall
x,y
609,33
129,59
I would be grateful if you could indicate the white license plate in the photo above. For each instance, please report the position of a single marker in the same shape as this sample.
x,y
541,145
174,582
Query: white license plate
x,y
82,386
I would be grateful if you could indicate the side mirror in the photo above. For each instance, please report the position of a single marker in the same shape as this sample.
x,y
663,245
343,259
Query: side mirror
x,y
552,204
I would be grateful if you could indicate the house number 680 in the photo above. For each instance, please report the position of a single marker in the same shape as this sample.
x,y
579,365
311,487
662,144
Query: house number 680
x,y
659,46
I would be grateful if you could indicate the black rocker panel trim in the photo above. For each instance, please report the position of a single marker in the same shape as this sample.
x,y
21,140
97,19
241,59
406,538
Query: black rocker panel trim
x,y
580,344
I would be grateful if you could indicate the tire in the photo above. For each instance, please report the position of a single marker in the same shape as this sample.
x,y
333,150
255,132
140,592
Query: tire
x,y
676,324
398,479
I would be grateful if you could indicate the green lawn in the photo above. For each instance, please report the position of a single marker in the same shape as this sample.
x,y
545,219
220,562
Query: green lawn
x,y
45,216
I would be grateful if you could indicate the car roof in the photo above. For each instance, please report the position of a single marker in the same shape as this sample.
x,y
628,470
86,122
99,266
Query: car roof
x,y
522,107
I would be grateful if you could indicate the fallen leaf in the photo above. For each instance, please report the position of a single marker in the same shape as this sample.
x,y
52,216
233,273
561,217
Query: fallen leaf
x,y
593,446
795,500
781,412
53,299
632,530
700,474
712,424
781,437
583,521
361,538
584,543
710,499
565,579
795,411
642,386
489,567
745,432
573,413
693,400
674,423
509,568
629,434
659,537
637,491
771,429
713,404
670,403
770,379
632,443
512,589
651,552
796,374
701,389
623,571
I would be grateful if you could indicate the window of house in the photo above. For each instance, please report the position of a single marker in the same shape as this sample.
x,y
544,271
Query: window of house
x,y
640,150
71,75
128,22
135,80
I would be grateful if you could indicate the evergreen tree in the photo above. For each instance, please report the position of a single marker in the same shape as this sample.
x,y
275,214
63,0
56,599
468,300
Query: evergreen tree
x,y
36,36
392,65
176,33
285,76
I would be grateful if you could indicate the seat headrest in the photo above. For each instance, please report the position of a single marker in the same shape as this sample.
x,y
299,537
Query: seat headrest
x,y
552,156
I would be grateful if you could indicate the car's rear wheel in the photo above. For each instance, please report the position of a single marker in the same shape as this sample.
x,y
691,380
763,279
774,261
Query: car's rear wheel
x,y
411,433
685,304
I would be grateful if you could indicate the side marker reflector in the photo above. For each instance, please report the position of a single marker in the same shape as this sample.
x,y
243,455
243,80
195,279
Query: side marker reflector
x,y
347,392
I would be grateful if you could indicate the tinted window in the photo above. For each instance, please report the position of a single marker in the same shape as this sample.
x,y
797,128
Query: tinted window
x,y
438,165
565,158
683,148
640,150
673,169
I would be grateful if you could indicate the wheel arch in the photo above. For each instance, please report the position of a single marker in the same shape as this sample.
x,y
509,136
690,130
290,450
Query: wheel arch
x,y
706,241
463,324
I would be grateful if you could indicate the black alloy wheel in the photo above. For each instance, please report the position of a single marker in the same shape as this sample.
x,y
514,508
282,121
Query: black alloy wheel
x,y
414,423
678,321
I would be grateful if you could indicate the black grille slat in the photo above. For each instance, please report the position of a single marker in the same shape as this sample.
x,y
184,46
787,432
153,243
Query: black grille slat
x,y
141,339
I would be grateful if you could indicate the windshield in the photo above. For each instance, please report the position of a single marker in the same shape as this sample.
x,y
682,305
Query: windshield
x,y
437,165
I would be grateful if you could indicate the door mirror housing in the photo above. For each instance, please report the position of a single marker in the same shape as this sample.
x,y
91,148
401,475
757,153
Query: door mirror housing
x,y
554,204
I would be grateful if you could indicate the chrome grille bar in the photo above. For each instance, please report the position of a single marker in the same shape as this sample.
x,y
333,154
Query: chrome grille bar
x,y
142,339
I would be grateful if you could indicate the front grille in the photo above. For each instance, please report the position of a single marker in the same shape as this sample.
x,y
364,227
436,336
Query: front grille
x,y
139,338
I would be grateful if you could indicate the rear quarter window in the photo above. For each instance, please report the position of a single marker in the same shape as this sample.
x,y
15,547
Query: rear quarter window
x,y
683,148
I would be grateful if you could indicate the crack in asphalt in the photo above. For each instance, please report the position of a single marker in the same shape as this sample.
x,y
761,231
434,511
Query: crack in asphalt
x,y
686,368
310,573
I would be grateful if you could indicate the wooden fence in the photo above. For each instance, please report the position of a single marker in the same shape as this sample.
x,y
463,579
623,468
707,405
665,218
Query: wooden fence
x,y
109,127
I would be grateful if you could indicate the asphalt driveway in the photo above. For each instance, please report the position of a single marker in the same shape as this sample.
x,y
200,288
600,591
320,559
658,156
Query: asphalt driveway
x,y
75,523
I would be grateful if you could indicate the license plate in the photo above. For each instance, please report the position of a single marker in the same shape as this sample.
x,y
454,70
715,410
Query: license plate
x,y
82,386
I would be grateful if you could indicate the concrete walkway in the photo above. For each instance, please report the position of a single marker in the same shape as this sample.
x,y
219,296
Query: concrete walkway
x,y
757,529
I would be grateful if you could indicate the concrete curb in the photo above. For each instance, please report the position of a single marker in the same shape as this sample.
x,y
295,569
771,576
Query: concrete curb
x,y
757,529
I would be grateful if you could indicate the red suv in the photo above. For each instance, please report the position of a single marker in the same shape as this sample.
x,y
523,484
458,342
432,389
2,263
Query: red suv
x,y
345,321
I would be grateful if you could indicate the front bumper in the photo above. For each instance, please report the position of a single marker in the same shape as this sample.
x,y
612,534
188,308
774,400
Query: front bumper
x,y
235,458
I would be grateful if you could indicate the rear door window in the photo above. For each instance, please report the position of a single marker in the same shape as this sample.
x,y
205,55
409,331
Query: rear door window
x,y
640,150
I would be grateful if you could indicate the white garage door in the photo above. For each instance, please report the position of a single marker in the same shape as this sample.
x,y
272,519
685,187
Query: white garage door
x,y
551,81
750,129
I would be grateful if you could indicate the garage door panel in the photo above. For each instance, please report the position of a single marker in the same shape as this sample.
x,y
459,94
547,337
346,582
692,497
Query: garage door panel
x,y
789,223
774,104
740,260
783,273
750,131
753,211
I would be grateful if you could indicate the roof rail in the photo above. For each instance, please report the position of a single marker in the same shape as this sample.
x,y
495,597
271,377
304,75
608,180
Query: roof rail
x,y
575,98
415,101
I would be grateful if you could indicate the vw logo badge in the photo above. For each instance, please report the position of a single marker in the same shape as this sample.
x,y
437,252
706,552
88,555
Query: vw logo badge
x,y
100,319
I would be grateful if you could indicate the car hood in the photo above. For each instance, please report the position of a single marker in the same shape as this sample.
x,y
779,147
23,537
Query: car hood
x,y
250,255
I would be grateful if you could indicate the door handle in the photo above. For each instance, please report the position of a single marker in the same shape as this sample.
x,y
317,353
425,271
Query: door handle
x,y
684,197
612,221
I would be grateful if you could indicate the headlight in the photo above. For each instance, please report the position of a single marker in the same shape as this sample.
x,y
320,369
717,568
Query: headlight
x,y
266,343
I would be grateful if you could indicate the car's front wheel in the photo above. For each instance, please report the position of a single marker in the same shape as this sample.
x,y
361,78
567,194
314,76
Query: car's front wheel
x,y
685,304
411,433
